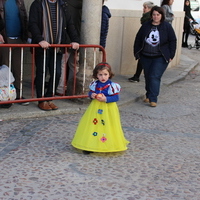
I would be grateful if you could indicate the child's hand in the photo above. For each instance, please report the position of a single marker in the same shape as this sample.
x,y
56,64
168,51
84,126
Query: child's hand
x,y
101,97
93,95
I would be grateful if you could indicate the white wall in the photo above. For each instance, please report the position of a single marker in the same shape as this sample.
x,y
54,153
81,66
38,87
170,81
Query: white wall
x,y
137,4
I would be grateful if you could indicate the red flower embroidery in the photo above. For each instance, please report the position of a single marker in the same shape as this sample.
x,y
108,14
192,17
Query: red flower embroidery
x,y
95,121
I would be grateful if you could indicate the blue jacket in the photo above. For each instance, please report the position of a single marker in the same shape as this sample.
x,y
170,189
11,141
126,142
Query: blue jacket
x,y
104,25
167,44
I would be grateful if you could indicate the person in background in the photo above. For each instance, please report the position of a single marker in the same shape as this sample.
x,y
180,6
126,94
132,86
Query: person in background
x,y
68,59
167,6
145,17
155,46
100,128
106,15
55,17
13,12
187,20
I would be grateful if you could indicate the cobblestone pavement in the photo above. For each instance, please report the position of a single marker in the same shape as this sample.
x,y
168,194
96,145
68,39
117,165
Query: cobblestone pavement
x,y
37,161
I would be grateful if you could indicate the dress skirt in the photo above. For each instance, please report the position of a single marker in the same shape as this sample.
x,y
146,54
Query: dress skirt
x,y
100,130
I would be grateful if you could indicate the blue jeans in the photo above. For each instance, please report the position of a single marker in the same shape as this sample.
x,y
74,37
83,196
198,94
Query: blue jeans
x,y
153,71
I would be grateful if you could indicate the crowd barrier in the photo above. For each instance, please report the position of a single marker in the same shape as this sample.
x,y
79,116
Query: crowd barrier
x,y
27,81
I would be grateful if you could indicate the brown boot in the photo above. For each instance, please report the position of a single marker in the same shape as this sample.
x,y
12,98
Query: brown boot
x,y
44,106
153,104
52,105
146,100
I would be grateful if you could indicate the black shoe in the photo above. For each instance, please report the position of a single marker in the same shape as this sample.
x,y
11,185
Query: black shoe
x,y
134,79
23,103
87,152
6,105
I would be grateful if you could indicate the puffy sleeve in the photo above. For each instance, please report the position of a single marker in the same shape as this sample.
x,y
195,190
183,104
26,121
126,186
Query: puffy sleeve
x,y
92,87
114,89
113,92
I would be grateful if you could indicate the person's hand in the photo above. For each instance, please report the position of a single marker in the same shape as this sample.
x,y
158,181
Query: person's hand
x,y
101,97
75,45
44,44
93,95
1,39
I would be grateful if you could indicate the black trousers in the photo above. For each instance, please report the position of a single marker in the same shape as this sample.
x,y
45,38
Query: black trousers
x,y
49,70
138,69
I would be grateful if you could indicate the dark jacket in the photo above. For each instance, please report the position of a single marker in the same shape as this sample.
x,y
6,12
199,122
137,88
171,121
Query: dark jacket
x,y
36,23
104,25
187,17
167,44
2,25
75,3
75,8
23,18
145,17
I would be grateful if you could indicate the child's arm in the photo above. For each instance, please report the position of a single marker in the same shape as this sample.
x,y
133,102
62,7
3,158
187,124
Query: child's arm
x,y
92,94
113,98
92,87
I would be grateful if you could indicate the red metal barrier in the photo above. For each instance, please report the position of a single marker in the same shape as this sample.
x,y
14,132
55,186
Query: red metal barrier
x,y
32,97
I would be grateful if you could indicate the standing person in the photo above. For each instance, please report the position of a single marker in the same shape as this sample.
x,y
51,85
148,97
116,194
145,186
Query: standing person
x,y
49,23
167,6
105,16
145,17
68,59
100,128
187,20
155,46
14,14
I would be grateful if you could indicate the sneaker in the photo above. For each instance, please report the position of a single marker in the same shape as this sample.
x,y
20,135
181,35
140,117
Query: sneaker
x,y
23,103
134,79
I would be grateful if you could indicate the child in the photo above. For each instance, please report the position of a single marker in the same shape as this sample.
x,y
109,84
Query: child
x,y
100,127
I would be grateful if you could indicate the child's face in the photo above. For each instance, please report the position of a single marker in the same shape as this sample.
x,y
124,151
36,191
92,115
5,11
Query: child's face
x,y
103,75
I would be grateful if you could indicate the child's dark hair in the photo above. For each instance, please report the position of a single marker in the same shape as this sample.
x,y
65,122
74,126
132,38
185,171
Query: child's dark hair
x,y
101,66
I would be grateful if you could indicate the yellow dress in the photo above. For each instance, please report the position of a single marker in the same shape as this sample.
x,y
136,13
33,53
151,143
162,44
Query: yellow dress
x,y
100,130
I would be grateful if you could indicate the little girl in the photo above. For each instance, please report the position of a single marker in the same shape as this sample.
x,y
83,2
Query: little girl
x,y
100,128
